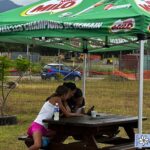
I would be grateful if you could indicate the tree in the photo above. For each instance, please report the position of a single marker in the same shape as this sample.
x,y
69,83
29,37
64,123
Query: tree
x,y
22,65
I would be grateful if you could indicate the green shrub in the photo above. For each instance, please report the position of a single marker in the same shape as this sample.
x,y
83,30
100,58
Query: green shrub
x,y
22,65
36,68
59,76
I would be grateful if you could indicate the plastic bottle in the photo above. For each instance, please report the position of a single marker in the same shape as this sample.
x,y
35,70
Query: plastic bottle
x,y
56,112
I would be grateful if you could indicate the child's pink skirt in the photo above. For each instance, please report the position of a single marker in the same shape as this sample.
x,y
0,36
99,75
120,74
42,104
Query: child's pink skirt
x,y
34,127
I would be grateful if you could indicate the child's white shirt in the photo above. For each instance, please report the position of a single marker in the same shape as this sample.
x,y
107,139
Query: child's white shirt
x,y
46,112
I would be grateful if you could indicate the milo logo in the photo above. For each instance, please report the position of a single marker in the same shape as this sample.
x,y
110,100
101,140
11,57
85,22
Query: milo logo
x,y
144,5
51,6
125,25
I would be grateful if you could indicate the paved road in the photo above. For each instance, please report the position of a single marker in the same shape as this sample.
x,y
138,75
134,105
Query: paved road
x,y
25,77
39,77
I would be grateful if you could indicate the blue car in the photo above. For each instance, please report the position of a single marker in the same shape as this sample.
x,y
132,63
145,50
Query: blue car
x,y
50,71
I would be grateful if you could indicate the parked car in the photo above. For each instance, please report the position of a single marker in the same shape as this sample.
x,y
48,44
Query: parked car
x,y
50,71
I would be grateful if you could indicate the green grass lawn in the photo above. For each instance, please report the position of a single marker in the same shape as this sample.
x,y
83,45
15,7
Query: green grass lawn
x,y
109,96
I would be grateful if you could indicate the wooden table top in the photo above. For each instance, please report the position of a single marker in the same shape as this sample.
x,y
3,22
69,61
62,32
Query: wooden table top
x,y
100,120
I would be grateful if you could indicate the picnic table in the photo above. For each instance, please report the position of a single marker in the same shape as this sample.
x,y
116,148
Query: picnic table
x,y
91,131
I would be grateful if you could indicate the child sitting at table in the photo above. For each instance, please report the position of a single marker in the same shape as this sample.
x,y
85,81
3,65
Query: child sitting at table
x,y
38,129
77,102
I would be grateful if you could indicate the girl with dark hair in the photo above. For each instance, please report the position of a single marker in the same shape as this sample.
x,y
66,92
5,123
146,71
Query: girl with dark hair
x,y
70,86
77,102
38,129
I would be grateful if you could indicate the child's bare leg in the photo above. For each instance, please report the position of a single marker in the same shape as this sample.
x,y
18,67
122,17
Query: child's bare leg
x,y
37,137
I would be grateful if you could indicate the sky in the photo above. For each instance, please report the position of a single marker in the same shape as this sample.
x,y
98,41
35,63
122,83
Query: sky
x,y
23,2
6,5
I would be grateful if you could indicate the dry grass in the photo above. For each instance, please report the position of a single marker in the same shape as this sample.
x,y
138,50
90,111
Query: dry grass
x,y
117,97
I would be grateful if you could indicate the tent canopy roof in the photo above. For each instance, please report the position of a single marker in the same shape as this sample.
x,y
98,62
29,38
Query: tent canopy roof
x,y
78,18
97,21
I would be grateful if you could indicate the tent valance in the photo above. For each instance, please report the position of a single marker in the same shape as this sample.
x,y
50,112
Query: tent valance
x,y
78,18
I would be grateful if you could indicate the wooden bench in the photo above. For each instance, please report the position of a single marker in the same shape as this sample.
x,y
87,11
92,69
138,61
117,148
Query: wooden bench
x,y
113,140
119,143
29,141
126,146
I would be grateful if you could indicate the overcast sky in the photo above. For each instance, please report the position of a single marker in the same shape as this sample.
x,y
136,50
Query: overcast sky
x,y
6,5
23,2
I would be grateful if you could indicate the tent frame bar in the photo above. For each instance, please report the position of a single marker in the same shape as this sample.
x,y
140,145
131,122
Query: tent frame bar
x,y
141,78
85,52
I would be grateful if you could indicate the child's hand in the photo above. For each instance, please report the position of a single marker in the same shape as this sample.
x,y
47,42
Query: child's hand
x,y
80,115
89,111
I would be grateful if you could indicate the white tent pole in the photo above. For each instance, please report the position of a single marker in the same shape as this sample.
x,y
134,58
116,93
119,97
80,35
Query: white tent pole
x,y
84,73
140,105
85,51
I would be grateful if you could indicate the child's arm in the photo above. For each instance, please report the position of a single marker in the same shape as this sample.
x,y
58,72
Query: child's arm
x,y
66,112
80,110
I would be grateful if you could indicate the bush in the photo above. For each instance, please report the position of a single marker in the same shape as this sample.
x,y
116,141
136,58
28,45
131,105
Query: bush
x,y
59,76
36,68
22,65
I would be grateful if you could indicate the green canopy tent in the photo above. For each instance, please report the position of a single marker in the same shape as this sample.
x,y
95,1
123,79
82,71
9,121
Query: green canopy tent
x,y
77,18
82,19
75,44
